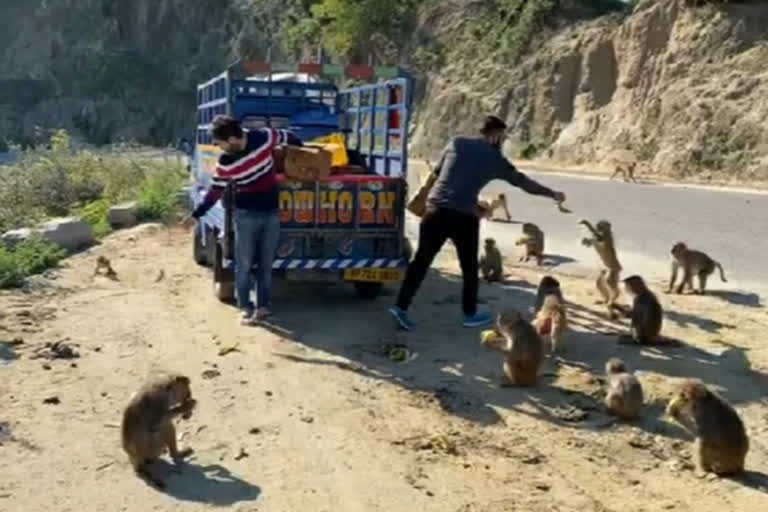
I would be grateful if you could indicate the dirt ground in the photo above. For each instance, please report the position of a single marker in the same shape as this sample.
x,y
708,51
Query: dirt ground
x,y
312,414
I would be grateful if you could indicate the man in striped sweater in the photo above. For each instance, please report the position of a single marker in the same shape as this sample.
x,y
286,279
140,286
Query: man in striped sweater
x,y
247,160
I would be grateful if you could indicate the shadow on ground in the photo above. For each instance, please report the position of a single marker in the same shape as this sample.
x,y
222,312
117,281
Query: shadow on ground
x,y
448,366
212,484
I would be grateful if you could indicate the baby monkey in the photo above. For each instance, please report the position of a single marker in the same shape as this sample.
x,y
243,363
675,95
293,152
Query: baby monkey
x,y
104,265
624,397
147,427
520,346
550,312
721,440
533,240
491,264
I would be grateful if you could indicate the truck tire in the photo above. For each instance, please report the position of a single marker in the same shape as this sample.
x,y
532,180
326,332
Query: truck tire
x,y
223,280
199,252
368,291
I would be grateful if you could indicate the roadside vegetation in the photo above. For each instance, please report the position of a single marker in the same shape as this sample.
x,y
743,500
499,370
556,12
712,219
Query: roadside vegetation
x,y
59,181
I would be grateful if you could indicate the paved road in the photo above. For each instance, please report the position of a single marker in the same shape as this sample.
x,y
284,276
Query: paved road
x,y
732,226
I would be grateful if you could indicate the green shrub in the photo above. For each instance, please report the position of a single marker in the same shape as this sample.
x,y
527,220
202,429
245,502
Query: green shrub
x,y
25,259
158,194
96,213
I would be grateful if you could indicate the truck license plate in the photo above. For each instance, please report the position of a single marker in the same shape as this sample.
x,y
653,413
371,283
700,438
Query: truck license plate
x,y
373,275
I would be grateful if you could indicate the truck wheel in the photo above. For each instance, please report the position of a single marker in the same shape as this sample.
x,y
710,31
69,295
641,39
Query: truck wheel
x,y
199,252
368,291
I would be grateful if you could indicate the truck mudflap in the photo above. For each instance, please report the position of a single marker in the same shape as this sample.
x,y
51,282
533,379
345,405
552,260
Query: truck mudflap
x,y
370,270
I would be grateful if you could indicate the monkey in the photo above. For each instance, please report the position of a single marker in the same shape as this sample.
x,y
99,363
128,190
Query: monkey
x,y
694,263
550,312
551,319
624,397
147,427
646,314
491,262
627,171
533,240
103,263
520,345
489,206
721,440
608,281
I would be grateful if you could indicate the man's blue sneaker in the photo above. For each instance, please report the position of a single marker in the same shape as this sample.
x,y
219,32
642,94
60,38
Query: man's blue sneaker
x,y
478,320
402,318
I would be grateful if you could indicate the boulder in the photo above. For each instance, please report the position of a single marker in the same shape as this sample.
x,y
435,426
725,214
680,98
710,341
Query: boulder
x,y
11,238
70,233
125,215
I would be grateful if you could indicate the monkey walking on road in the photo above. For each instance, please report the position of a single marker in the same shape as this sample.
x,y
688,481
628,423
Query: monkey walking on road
x,y
693,263
627,171
608,281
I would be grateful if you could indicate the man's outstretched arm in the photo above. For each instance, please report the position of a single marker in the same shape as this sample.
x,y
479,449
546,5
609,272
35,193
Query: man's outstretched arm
x,y
520,180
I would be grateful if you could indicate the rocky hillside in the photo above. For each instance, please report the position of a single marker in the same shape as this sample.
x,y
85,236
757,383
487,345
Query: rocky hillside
x,y
683,88
680,87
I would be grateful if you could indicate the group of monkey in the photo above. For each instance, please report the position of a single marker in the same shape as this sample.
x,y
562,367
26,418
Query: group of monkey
x,y
722,443
721,439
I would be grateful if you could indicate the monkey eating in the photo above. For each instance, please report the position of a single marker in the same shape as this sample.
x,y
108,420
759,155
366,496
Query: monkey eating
x,y
694,263
550,312
147,427
490,205
646,314
491,264
533,240
520,346
608,281
624,397
103,264
721,440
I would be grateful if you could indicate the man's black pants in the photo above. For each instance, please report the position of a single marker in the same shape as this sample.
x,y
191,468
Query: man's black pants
x,y
438,225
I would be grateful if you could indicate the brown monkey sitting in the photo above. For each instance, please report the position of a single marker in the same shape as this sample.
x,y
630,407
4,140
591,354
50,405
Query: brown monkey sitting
x,y
694,263
533,240
646,314
147,427
519,344
491,263
550,312
624,397
104,265
721,440
608,280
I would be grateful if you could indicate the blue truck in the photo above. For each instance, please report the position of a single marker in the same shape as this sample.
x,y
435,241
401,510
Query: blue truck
x,y
347,227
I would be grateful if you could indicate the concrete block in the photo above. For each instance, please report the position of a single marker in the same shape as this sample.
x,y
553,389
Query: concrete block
x,y
124,215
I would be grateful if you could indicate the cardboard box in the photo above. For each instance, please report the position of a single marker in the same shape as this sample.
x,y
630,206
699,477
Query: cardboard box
x,y
307,163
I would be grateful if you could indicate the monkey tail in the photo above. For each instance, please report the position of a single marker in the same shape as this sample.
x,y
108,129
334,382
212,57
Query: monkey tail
x,y
722,272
